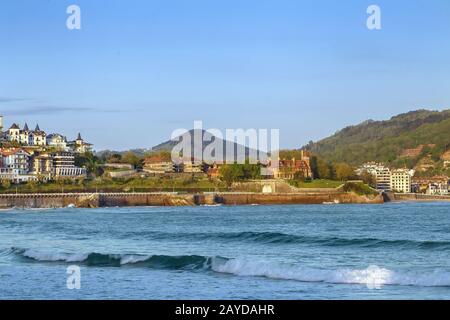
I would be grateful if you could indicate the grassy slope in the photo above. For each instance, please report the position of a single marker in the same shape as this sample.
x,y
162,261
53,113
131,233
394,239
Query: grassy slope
x,y
385,140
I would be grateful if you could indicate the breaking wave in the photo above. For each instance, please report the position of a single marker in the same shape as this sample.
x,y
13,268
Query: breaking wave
x,y
371,276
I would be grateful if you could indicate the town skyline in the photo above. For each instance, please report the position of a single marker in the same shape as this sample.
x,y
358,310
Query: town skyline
x,y
156,67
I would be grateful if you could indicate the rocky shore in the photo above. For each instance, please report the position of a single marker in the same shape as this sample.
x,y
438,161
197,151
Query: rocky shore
x,y
96,200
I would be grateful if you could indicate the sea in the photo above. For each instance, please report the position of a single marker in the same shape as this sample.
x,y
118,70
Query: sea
x,y
294,252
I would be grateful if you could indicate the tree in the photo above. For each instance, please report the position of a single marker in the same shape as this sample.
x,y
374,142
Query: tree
x,y
368,178
132,159
90,162
230,173
33,185
251,171
6,184
114,158
344,171
299,176
324,169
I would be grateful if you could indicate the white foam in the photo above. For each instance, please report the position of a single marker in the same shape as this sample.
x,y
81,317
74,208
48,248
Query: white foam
x,y
54,256
131,258
373,276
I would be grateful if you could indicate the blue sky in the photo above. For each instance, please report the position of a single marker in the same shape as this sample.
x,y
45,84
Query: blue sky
x,y
137,70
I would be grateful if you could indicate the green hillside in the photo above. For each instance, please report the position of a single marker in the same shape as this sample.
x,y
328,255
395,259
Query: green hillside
x,y
386,141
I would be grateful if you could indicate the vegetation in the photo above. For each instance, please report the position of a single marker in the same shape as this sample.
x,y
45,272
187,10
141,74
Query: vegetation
x,y
230,173
318,183
136,184
359,188
384,141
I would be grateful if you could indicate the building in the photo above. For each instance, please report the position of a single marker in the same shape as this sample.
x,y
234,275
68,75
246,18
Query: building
x,y
381,174
14,165
437,189
13,133
42,165
446,158
38,137
400,180
25,136
16,160
191,167
64,166
213,171
79,145
290,169
159,164
57,141
432,185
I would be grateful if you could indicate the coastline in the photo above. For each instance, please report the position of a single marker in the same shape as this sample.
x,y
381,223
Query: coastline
x,y
97,200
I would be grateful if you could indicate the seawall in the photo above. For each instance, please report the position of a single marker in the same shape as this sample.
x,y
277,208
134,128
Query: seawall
x,y
95,200
417,197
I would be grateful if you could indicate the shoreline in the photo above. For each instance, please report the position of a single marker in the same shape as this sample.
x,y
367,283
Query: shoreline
x,y
97,200
136,199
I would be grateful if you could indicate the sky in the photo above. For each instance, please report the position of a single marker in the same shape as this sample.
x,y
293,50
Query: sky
x,y
138,70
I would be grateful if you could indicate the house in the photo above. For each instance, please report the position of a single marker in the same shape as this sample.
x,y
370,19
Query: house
x,y
192,166
13,133
213,171
432,185
79,145
38,137
159,164
42,165
290,169
57,141
26,136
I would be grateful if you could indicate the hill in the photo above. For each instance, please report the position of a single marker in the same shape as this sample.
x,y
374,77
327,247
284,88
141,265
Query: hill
x,y
407,139
209,140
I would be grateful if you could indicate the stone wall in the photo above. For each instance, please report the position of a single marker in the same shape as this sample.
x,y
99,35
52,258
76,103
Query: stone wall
x,y
95,200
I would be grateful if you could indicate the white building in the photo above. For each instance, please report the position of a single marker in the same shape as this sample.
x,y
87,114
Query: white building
x,y
401,180
57,141
79,145
381,173
14,165
13,133
64,166
25,136
397,180
437,189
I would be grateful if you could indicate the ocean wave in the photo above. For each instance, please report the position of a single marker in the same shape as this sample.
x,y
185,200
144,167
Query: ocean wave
x,y
283,238
371,276
116,260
